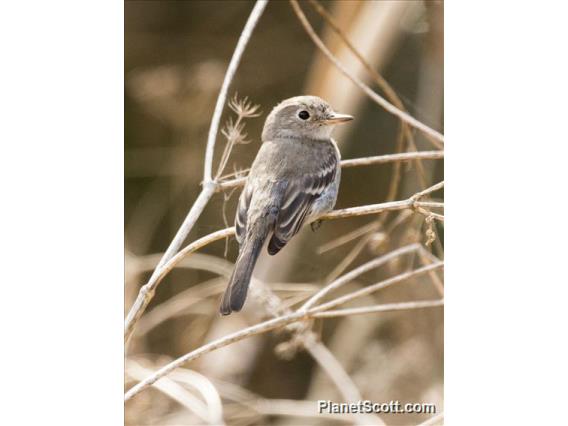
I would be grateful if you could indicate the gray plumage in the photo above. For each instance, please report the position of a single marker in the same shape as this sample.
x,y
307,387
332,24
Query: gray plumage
x,y
294,179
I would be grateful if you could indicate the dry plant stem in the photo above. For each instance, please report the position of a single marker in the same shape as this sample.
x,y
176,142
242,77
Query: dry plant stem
x,y
356,162
366,89
208,189
263,327
177,393
375,287
382,207
429,190
147,291
241,44
350,236
363,242
430,204
351,275
351,255
391,96
380,308
266,326
403,156
335,370
426,258
428,213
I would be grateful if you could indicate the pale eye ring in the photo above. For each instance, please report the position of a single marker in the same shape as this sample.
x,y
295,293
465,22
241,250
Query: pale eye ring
x,y
304,115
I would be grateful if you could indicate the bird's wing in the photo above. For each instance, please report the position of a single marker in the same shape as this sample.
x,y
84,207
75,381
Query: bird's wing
x,y
242,212
299,194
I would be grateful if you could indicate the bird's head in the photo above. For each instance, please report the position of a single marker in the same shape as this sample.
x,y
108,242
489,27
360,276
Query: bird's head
x,y
303,117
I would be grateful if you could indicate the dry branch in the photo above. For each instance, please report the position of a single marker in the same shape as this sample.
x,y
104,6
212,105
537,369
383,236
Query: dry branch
x,y
147,291
390,93
380,308
355,162
274,323
366,89
351,275
208,185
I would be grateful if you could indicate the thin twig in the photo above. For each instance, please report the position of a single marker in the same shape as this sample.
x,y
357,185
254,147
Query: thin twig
x,y
430,204
209,186
380,308
345,238
427,258
403,156
147,291
332,367
375,287
231,70
144,296
269,325
391,95
355,162
351,275
382,207
366,89
260,328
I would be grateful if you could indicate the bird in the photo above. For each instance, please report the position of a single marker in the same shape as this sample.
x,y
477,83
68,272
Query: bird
x,y
293,180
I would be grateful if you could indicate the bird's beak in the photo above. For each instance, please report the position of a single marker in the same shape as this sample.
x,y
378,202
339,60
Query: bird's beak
x,y
336,118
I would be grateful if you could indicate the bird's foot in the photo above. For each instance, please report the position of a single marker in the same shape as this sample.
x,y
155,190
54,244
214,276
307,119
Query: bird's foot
x,y
315,225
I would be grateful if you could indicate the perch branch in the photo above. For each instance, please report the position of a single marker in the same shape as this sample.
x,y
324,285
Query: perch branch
x,y
208,185
147,291
364,161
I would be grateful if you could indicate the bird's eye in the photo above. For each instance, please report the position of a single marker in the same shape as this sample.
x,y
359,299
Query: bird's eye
x,y
304,115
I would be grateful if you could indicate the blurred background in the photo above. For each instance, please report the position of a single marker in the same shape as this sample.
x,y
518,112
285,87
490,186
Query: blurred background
x,y
176,54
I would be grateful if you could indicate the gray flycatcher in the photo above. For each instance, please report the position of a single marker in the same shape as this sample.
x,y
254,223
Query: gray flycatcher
x,y
293,180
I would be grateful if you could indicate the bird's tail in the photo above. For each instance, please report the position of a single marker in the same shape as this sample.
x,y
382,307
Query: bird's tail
x,y
236,292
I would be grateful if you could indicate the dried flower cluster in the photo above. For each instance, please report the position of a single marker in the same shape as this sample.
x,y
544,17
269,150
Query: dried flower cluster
x,y
234,128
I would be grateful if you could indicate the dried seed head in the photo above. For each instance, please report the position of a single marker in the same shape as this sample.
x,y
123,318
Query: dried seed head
x,y
243,107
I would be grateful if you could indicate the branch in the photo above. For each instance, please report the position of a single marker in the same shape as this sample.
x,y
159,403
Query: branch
x,y
364,161
366,89
403,156
391,95
380,308
221,99
382,207
375,287
147,291
269,325
208,185
351,275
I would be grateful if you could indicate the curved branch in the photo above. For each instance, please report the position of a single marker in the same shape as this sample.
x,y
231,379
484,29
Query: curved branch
x,y
208,185
278,322
147,291
221,99
366,89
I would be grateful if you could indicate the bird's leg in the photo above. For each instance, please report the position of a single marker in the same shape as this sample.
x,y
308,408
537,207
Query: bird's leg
x,y
315,225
